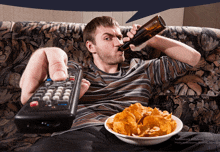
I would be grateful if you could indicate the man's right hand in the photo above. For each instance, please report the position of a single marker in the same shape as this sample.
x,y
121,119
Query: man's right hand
x,y
43,60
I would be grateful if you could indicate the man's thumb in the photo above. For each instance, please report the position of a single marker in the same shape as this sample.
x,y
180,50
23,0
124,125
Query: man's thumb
x,y
59,75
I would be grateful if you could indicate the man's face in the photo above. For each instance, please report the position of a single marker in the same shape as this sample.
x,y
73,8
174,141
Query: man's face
x,y
107,42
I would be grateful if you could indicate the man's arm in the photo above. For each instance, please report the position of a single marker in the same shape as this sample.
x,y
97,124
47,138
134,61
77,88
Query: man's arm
x,y
45,60
175,49
170,47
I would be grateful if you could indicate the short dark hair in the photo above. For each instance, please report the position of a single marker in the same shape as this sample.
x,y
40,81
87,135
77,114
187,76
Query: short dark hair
x,y
90,28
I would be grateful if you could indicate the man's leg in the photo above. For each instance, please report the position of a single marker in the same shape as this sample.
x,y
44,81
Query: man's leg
x,y
97,138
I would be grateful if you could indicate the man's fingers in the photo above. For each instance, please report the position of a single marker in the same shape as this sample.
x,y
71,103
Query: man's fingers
x,y
84,87
57,60
132,46
126,39
36,70
133,31
130,34
27,91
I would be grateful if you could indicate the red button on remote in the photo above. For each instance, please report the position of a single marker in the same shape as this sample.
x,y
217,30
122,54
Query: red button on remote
x,y
34,104
72,78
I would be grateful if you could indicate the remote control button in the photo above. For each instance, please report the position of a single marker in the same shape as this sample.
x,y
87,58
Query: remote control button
x,y
68,84
58,83
65,97
62,103
34,104
49,79
41,91
67,90
59,90
43,88
57,94
51,87
48,94
46,98
69,87
56,97
72,78
47,84
35,98
50,91
39,94
66,94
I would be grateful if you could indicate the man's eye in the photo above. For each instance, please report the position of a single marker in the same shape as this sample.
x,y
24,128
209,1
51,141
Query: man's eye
x,y
107,38
120,38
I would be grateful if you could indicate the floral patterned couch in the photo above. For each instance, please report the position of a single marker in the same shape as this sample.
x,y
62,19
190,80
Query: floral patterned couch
x,y
194,98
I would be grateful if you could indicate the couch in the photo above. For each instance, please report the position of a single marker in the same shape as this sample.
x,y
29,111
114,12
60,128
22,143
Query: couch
x,y
194,97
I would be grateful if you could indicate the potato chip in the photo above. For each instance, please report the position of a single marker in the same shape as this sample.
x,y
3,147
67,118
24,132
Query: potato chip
x,y
119,127
138,110
125,123
156,112
137,120
110,122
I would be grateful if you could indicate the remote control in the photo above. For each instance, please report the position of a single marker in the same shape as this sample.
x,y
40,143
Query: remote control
x,y
53,106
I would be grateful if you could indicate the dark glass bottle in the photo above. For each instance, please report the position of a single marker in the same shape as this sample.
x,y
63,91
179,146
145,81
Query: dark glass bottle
x,y
145,32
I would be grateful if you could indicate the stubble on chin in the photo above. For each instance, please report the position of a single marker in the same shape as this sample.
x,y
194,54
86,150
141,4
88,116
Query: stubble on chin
x,y
111,60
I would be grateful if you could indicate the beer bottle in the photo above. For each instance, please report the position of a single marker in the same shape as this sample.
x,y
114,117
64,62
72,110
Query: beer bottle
x,y
145,32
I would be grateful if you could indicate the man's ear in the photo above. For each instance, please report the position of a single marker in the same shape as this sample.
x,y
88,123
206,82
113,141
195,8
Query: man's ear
x,y
90,46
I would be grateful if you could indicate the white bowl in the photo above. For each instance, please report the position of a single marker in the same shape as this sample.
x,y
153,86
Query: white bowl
x,y
147,140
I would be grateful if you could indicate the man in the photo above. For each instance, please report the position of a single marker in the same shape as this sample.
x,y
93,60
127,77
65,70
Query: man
x,y
103,42
109,84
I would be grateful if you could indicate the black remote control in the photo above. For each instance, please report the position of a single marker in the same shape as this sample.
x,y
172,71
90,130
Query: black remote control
x,y
53,106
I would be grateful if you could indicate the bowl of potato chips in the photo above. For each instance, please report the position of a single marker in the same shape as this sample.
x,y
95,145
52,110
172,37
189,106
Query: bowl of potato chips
x,y
142,125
